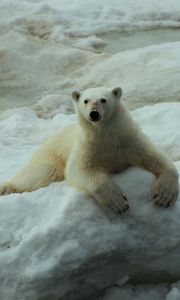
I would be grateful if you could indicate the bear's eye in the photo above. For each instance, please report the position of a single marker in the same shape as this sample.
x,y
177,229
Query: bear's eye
x,y
103,100
86,101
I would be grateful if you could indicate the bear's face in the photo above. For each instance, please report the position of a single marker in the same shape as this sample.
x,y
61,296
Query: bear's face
x,y
96,104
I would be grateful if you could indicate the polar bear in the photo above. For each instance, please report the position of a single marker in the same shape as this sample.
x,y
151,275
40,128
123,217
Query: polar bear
x,y
105,140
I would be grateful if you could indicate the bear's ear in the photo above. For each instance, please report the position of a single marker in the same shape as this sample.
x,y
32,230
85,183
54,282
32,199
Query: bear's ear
x,y
117,92
76,95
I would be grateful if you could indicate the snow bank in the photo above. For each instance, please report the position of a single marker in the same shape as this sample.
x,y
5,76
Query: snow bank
x,y
39,55
144,292
160,123
31,72
148,75
66,20
55,243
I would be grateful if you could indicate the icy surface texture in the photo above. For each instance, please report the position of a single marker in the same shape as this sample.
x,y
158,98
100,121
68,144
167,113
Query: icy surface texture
x,y
55,243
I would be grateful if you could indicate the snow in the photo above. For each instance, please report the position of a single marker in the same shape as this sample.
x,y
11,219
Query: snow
x,y
160,123
32,70
60,20
143,292
38,235
148,75
55,243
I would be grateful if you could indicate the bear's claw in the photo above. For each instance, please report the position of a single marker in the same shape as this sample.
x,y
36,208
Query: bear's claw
x,y
165,195
7,189
117,206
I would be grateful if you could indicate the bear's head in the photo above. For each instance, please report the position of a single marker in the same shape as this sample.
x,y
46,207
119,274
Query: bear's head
x,y
96,104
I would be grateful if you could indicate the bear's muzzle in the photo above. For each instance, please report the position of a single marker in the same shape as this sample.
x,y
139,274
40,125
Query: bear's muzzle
x,y
94,116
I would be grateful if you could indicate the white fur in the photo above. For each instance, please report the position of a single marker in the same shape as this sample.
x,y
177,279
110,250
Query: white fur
x,y
86,153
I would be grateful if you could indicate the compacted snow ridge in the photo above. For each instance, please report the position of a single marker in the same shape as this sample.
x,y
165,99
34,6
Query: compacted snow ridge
x,y
61,243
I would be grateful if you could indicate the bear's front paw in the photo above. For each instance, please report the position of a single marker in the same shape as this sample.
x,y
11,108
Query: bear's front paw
x,y
7,189
111,199
165,193
115,205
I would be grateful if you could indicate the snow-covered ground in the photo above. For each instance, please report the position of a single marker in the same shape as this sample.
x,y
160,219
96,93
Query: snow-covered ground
x,y
47,49
64,20
51,233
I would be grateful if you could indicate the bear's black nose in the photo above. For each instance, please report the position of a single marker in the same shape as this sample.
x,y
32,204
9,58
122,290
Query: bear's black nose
x,y
94,115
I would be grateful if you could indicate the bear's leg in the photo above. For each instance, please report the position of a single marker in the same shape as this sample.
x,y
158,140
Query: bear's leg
x,y
40,171
111,198
100,186
166,187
